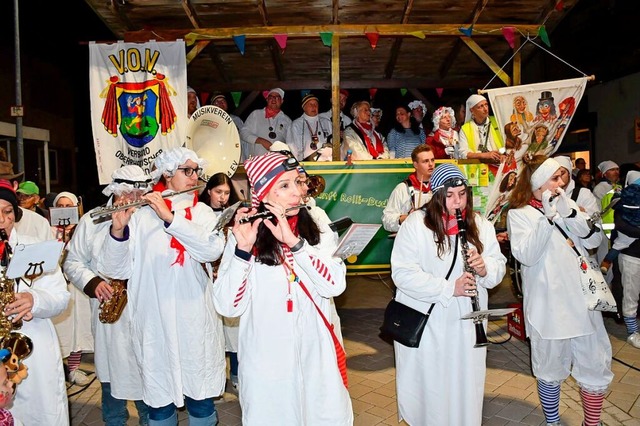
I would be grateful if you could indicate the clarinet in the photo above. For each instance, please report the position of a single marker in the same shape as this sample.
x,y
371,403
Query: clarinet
x,y
481,336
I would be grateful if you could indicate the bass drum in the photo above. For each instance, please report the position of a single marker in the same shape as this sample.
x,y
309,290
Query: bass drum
x,y
212,134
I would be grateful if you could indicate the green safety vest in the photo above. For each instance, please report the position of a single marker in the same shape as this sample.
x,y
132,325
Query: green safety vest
x,y
471,135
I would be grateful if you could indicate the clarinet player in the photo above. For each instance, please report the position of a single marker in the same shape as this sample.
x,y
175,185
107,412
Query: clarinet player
x,y
446,368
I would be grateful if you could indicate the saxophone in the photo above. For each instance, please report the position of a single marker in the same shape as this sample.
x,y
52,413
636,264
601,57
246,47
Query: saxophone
x,y
111,310
7,292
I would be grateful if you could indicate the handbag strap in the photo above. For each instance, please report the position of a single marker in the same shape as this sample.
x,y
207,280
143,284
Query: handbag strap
x,y
453,262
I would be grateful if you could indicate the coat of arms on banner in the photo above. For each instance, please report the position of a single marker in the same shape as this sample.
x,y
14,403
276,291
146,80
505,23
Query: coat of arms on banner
x,y
138,102
533,119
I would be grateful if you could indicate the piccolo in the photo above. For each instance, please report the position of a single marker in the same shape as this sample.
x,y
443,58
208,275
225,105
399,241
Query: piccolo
x,y
105,211
269,215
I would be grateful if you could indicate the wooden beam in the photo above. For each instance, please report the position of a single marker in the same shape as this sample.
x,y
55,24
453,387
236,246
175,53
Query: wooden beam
x,y
517,61
335,8
464,82
487,60
397,43
118,10
313,31
191,13
335,96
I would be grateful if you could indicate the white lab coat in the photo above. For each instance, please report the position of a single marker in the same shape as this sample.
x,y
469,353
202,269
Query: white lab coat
x,y
41,398
553,302
177,335
257,125
114,359
442,381
402,199
299,135
288,371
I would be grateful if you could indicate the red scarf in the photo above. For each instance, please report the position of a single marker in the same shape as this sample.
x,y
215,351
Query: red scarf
x,y
175,244
365,128
269,113
535,203
419,186
451,223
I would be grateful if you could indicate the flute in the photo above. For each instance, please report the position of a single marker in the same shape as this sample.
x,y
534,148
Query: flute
x,y
553,197
105,211
269,215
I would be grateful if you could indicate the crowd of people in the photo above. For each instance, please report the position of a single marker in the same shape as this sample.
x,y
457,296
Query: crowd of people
x,y
259,287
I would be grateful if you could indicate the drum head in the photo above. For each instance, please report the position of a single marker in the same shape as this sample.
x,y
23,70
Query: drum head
x,y
213,135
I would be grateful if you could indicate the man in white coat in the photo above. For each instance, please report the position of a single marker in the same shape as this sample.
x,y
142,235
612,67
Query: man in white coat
x,y
266,125
116,366
177,336
309,133
413,192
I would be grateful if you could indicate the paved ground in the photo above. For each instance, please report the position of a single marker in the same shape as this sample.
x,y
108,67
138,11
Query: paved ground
x,y
510,393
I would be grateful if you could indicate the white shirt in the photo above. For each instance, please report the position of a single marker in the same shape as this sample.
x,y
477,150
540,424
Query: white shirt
x,y
257,125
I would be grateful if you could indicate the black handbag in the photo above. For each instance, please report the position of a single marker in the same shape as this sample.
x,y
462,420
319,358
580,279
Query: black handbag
x,y
404,324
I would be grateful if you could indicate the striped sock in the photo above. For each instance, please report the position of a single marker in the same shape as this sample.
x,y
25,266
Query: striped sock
x,y
632,324
550,400
73,361
592,405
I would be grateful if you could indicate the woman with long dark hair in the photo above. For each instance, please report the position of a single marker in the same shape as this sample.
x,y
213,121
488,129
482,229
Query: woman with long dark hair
x,y
446,368
406,133
278,274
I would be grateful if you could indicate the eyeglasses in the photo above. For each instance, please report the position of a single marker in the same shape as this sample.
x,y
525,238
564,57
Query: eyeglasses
x,y
188,171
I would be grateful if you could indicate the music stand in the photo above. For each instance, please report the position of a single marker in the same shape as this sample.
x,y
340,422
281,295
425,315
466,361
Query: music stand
x,y
484,314
32,260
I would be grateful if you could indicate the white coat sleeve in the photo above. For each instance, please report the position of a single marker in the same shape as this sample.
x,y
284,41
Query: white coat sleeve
x,y
232,288
249,129
79,256
494,260
115,258
399,203
580,227
357,147
407,272
50,294
198,238
529,235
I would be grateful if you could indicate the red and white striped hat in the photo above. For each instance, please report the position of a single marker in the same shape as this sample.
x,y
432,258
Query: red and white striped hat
x,y
264,170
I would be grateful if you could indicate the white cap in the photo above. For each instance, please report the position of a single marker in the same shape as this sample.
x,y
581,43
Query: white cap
x,y
65,194
277,90
607,165
126,179
279,146
472,101
632,177
543,173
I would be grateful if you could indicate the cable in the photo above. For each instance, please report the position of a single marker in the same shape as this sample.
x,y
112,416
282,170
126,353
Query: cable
x,y
82,388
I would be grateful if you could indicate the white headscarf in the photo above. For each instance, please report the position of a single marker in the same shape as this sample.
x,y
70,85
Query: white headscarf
x,y
65,194
543,173
169,161
472,101
192,90
126,179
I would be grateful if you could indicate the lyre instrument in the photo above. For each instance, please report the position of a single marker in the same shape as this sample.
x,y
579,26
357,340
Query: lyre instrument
x,y
478,322
111,310
106,211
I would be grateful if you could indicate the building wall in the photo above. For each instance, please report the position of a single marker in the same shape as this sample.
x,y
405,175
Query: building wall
x,y
615,105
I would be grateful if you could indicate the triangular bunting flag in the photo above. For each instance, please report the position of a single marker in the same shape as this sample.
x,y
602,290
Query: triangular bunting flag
x,y
372,93
373,39
304,93
560,6
509,34
439,91
190,39
466,31
542,32
418,34
282,40
403,91
236,98
326,38
239,40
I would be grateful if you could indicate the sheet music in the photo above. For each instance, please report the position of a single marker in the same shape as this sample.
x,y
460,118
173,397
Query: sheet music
x,y
63,216
356,239
39,257
488,313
